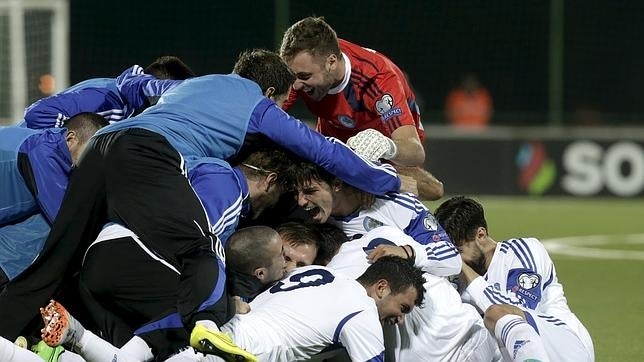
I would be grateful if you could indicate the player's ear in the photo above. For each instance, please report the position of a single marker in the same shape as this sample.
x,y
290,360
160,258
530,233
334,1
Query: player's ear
x,y
260,273
269,92
331,62
71,138
336,185
481,234
382,288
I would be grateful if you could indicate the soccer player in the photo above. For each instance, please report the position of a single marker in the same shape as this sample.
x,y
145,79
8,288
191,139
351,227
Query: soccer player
x,y
281,325
445,329
133,174
251,265
35,168
101,96
360,97
515,284
326,198
113,283
300,243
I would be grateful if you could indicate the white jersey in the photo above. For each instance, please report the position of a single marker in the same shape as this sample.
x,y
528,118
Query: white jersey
x,y
445,329
311,309
405,212
521,273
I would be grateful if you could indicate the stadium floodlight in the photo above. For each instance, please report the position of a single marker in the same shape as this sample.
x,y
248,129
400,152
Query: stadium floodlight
x,y
34,51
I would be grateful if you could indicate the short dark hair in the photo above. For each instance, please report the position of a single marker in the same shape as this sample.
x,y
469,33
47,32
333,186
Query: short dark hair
x,y
332,239
461,216
312,35
169,67
268,157
85,125
247,248
399,273
304,172
265,68
299,232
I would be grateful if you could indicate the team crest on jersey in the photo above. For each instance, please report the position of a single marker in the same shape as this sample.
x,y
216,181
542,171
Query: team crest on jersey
x,y
371,223
385,107
347,121
430,223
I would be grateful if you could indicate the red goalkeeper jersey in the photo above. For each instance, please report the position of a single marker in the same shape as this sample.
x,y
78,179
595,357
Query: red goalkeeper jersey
x,y
374,94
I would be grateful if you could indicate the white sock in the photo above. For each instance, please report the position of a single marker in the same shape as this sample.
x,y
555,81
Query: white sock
x,y
96,349
9,352
208,324
69,356
520,339
137,348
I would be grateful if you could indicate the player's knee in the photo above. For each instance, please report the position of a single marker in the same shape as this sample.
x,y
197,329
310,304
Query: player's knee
x,y
497,311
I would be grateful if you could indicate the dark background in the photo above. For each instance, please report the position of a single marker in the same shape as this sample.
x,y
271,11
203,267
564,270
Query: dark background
x,y
504,43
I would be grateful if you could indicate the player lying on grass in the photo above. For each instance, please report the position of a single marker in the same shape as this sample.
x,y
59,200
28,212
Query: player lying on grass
x,y
515,284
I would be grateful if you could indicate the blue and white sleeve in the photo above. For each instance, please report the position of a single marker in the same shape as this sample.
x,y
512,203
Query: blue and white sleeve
x,y
220,193
139,89
51,176
443,257
362,337
331,154
53,111
529,272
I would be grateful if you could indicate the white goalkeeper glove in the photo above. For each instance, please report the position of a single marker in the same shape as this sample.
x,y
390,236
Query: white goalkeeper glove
x,y
373,145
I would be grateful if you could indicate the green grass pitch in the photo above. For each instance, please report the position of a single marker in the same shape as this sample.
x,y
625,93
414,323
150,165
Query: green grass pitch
x,y
606,294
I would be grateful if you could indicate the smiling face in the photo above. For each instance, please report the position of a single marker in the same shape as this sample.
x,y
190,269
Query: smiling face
x,y
317,200
393,307
297,255
314,75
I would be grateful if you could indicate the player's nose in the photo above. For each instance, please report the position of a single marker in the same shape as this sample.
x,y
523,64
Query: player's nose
x,y
301,199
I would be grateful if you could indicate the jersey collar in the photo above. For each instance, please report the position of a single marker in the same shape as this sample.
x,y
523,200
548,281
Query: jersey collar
x,y
347,75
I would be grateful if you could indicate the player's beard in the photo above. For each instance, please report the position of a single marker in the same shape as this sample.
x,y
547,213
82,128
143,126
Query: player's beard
x,y
478,264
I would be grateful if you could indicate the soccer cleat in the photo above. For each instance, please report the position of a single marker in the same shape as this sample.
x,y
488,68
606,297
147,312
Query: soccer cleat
x,y
57,325
218,343
49,354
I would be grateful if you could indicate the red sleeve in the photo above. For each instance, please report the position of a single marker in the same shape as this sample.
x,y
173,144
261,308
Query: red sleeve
x,y
386,97
292,97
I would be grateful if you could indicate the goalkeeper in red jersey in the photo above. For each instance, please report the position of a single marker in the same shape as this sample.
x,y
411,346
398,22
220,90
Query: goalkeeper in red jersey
x,y
360,97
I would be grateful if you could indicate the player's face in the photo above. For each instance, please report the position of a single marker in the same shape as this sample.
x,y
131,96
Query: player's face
x,y
317,200
277,267
473,256
264,199
313,75
393,307
297,255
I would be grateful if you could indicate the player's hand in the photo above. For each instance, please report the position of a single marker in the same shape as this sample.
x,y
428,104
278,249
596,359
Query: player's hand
x,y
373,145
241,307
387,250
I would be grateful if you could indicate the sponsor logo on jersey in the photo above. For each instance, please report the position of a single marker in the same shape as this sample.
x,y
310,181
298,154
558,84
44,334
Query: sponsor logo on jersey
x,y
385,107
346,121
371,223
430,223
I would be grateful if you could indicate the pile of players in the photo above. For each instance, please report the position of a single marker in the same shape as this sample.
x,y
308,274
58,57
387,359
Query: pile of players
x,y
204,223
